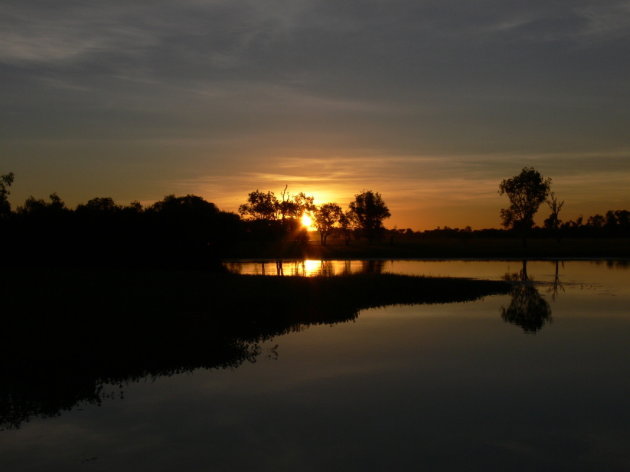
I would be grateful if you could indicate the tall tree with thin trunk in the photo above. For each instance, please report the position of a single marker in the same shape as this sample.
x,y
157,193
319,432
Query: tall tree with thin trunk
x,y
553,222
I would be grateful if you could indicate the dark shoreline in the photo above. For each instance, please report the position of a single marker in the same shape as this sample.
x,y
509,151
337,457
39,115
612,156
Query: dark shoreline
x,y
67,332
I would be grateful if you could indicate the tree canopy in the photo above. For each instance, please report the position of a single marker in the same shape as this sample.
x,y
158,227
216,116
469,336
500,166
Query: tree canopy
x,y
266,206
326,217
368,211
260,206
526,192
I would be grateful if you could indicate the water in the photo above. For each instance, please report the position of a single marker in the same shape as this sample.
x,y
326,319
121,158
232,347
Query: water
x,y
462,386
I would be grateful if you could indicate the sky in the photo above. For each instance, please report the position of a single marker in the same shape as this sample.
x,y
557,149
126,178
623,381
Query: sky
x,y
430,103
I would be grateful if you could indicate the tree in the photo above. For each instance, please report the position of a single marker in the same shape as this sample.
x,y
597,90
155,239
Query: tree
x,y
553,222
305,203
260,206
623,219
35,207
611,221
46,225
526,192
190,206
596,221
346,225
326,217
189,221
269,218
369,210
99,206
294,207
6,181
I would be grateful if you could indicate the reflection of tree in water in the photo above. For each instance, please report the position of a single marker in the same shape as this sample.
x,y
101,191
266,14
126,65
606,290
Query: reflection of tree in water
x,y
310,268
326,269
347,267
623,264
374,266
527,309
556,286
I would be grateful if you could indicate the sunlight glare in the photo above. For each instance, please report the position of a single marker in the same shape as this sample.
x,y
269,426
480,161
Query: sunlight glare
x,y
307,222
311,267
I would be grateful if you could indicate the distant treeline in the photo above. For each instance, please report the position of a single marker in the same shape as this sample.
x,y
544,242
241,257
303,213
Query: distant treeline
x,y
185,231
190,231
174,231
615,223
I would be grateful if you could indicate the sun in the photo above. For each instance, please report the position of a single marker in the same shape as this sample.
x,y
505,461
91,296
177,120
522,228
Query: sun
x,y
307,222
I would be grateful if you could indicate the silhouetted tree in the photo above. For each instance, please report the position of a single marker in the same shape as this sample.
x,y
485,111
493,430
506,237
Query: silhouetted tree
x,y
6,181
190,206
596,221
346,225
574,225
294,207
526,192
260,206
99,206
269,218
266,206
623,219
38,207
134,207
369,211
326,217
611,222
191,222
553,222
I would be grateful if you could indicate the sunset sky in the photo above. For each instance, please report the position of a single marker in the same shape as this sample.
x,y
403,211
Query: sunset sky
x,y
431,103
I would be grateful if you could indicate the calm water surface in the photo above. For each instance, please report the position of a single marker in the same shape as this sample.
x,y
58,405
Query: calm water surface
x,y
535,380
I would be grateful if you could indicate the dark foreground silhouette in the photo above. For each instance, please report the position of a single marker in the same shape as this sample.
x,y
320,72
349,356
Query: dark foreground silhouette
x,y
66,334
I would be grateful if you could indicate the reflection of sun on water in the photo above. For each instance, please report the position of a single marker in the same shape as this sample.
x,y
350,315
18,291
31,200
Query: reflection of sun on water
x,y
312,267
307,222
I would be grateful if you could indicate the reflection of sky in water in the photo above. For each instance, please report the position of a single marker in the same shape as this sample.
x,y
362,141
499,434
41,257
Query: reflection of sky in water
x,y
435,387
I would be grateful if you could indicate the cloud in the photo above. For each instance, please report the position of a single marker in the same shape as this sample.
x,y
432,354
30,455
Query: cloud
x,y
35,32
606,21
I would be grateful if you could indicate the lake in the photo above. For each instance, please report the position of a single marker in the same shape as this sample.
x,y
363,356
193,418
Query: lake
x,y
534,380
